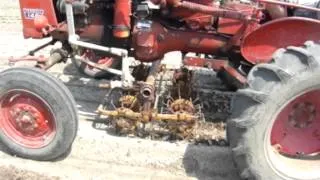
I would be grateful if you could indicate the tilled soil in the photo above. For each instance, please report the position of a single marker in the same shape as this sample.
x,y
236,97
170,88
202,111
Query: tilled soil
x,y
13,173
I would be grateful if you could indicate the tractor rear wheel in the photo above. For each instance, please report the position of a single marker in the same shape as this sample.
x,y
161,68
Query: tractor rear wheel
x,y
38,116
274,131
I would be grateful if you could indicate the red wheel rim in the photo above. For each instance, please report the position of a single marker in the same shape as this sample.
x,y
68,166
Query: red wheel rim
x,y
293,140
27,119
296,130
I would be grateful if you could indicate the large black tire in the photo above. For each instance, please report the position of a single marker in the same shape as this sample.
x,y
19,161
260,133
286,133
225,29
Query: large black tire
x,y
60,103
292,72
93,72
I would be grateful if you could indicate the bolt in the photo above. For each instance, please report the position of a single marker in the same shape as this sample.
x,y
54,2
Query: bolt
x,y
277,147
35,125
292,122
302,125
300,153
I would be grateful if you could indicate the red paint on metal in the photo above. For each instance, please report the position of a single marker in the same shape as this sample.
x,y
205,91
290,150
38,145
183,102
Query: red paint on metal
x,y
259,45
41,22
94,31
232,26
151,45
216,65
32,8
234,73
40,59
26,119
296,130
122,21
212,10
202,8
93,57
229,26
194,20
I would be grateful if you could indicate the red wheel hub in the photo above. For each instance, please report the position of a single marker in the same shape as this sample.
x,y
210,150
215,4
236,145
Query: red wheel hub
x,y
296,130
27,119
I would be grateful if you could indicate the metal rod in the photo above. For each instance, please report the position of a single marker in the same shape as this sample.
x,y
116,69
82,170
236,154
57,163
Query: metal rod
x,y
32,52
127,79
74,38
212,10
98,66
145,117
289,5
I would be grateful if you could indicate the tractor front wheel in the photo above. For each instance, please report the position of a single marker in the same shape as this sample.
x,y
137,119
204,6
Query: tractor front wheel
x,y
38,116
274,131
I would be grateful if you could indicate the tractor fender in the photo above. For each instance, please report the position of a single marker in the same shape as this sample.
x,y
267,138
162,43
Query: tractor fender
x,y
259,45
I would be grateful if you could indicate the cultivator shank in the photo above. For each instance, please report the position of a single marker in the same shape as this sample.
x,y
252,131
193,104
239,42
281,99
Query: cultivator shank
x,y
161,109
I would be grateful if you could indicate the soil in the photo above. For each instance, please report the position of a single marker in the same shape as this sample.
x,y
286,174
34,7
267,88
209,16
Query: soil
x,y
12,173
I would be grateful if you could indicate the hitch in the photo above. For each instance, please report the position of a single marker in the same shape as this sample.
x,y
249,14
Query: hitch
x,y
56,56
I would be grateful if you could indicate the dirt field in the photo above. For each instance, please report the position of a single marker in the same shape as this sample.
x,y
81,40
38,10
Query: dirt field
x,y
96,154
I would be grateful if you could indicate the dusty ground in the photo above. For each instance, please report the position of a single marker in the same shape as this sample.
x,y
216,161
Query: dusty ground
x,y
96,154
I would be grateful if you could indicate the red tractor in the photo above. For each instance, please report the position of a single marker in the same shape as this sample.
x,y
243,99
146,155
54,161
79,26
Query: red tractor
x,y
271,66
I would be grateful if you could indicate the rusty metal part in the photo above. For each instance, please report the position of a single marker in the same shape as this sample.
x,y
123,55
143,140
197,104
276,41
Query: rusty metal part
x,y
182,88
176,126
146,116
179,119
215,11
153,44
52,60
25,120
40,59
147,89
195,20
196,131
216,65
235,74
103,67
130,102
181,106
57,56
